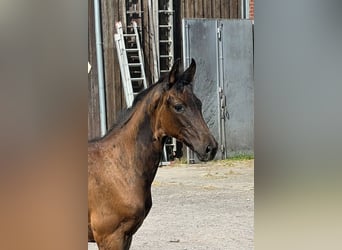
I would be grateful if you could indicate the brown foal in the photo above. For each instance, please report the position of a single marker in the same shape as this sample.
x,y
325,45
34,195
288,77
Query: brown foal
x,y
123,164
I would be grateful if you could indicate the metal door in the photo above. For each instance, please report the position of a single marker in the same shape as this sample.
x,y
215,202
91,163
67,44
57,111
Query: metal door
x,y
223,51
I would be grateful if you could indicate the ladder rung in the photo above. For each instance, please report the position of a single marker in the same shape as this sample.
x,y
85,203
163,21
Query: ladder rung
x,y
165,26
134,12
131,35
165,41
165,56
164,71
137,79
132,27
166,11
131,50
134,64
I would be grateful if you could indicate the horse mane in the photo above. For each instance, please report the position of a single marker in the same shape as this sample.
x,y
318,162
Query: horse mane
x,y
126,115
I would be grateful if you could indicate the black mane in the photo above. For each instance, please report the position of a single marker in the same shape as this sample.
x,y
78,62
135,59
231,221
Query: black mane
x,y
125,115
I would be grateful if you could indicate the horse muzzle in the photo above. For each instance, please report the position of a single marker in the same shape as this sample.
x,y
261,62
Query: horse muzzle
x,y
204,145
208,153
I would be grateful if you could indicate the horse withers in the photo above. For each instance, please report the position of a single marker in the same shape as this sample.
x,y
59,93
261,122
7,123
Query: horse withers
x,y
123,164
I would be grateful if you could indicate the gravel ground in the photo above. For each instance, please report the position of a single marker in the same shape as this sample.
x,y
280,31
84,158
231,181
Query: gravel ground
x,y
200,206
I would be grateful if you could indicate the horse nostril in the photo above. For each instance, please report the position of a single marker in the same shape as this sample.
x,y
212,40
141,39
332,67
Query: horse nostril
x,y
208,149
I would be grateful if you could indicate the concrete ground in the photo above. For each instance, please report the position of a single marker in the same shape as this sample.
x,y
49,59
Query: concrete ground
x,y
200,206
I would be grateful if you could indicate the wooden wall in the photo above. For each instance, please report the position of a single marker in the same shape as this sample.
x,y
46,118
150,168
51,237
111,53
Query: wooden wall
x,y
210,8
113,11
93,104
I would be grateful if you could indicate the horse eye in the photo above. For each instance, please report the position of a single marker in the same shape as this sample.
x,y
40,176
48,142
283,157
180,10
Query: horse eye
x,y
179,108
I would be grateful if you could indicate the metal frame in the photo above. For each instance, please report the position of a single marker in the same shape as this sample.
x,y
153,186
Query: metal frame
x,y
124,63
168,13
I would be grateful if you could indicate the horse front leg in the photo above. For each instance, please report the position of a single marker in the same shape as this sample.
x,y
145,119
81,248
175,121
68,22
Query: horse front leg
x,y
111,242
128,242
115,231
115,241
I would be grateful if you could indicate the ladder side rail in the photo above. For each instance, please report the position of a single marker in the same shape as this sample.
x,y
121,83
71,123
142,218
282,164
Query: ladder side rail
x,y
165,11
123,62
140,53
171,38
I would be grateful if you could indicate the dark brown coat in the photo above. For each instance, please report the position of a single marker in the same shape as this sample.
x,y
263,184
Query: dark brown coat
x,y
123,164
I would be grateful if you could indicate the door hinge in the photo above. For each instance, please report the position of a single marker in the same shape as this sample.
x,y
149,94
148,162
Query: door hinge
x,y
219,32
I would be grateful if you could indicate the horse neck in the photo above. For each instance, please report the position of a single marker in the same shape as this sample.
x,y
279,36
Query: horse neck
x,y
139,133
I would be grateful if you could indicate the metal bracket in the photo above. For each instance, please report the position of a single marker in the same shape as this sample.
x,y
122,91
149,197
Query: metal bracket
x,y
219,32
223,105
223,111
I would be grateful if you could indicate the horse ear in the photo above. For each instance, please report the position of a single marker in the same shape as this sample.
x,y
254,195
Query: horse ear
x,y
189,73
174,73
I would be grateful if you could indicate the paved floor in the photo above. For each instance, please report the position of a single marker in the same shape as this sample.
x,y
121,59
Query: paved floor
x,y
200,206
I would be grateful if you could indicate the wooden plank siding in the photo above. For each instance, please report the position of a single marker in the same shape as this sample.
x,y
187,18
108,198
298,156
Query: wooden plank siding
x,y
93,101
109,57
113,11
147,41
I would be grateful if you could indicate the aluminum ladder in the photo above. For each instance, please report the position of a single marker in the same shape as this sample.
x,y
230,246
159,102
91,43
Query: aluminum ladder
x,y
131,62
166,56
134,13
165,35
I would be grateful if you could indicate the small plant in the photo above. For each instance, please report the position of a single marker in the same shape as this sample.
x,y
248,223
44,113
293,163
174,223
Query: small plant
x,y
240,157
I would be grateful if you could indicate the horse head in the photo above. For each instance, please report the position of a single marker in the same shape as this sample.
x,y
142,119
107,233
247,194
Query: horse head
x,y
180,113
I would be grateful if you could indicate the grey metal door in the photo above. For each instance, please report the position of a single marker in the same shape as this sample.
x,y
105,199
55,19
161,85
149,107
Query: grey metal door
x,y
223,50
